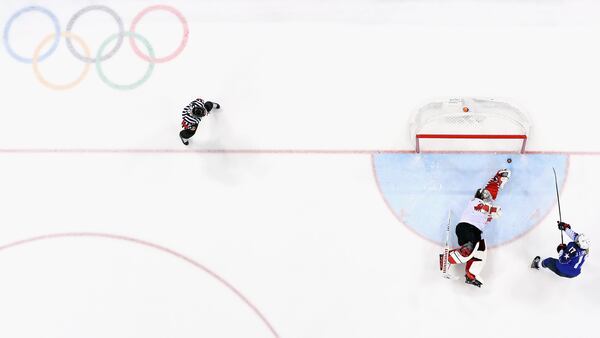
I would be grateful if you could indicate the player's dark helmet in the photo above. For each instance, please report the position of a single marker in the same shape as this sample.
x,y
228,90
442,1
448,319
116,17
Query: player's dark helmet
x,y
209,106
199,111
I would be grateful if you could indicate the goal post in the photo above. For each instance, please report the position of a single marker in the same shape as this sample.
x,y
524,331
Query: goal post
x,y
467,124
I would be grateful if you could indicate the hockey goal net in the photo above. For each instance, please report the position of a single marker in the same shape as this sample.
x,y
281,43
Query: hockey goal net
x,y
469,124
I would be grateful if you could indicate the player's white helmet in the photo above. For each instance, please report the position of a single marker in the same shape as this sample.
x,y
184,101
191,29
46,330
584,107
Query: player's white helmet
x,y
583,241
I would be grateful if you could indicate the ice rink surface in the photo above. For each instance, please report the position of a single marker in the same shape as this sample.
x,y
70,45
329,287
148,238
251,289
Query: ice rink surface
x,y
298,210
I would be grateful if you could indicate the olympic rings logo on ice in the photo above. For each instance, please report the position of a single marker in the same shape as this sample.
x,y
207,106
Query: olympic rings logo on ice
x,y
100,55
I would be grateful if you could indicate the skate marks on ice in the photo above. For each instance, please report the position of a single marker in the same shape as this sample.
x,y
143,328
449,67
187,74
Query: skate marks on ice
x,y
422,187
104,281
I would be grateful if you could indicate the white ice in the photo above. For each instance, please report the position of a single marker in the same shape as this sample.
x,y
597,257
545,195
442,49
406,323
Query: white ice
x,y
270,224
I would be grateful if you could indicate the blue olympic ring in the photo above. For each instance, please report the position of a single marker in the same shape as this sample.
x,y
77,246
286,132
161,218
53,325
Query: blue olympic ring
x,y
151,58
18,14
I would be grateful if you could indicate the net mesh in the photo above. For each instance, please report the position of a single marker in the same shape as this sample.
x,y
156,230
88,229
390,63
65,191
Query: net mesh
x,y
489,118
469,116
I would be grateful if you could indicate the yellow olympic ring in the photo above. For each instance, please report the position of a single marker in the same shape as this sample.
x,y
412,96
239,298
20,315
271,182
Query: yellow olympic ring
x,y
36,57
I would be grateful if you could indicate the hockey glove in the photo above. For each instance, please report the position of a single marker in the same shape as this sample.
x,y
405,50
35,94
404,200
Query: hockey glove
x,y
502,176
561,247
563,225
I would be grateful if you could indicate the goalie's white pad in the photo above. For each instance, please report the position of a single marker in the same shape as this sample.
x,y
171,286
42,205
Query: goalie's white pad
x,y
455,256
476,264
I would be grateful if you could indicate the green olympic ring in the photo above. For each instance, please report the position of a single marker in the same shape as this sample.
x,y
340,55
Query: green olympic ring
x,y
150,58
135,84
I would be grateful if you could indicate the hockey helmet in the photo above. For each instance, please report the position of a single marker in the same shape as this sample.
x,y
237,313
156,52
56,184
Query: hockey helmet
x,y
483,194
583,241
209,106
199,111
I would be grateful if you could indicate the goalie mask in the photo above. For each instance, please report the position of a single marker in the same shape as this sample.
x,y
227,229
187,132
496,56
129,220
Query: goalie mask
x,y
583,241
483,194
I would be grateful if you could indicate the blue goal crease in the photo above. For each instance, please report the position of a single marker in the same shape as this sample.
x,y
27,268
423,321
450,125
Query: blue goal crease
x,y
421,188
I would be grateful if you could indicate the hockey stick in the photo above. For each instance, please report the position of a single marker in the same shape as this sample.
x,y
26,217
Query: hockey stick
x,y
558,200
445,262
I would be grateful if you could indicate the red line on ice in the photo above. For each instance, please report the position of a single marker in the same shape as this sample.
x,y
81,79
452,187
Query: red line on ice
x,y
153,246
263,151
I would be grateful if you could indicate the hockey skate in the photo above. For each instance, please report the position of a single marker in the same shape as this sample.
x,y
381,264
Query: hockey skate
x,y
472,281
535,264
186,142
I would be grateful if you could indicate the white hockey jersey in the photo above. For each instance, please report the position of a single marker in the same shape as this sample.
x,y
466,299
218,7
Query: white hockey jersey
x,y
479,213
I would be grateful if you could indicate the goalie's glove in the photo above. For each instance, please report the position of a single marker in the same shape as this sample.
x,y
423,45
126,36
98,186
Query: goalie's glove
x,y
502,176
563,225
497,182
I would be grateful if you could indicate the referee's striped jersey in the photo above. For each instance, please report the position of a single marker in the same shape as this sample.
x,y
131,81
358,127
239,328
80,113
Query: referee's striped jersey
x,y
189,120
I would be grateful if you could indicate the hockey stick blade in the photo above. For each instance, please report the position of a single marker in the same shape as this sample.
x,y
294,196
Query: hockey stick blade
x,y
444,263
450,276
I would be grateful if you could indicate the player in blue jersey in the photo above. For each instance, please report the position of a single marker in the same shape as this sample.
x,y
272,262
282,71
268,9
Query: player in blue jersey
x,y
570,256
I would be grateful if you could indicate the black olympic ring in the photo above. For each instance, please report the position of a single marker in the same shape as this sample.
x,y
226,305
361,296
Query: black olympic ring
x,y
119,36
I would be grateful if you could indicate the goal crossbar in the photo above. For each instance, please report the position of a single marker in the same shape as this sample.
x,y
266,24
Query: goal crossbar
x,y
470,136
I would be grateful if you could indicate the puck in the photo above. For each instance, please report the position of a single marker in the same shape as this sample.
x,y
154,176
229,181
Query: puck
x,y
509,160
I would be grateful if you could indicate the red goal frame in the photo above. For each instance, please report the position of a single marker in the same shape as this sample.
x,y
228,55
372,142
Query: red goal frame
x,y
470,136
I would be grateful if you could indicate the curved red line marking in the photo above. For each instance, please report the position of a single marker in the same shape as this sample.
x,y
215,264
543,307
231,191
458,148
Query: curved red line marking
x,y
376,178
374,170
153,246
542,219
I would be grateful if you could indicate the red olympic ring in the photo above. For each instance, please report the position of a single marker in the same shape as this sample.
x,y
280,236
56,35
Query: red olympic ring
x,y
186,32
68,35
